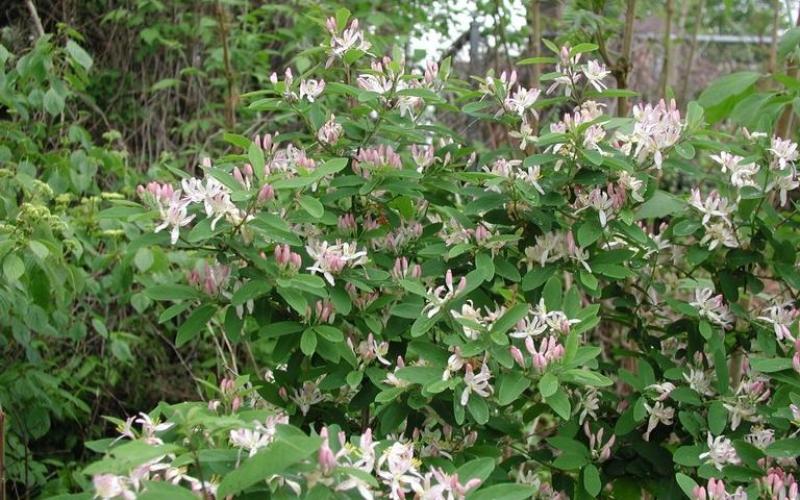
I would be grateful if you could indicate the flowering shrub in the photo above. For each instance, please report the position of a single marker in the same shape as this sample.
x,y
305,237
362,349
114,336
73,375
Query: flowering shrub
x,y
401,313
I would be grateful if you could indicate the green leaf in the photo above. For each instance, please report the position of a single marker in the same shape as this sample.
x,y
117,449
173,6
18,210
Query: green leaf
x,y
548,385
552,293
770,365
255,155
727,86
717,417
250,291
591,480
194,324
510,387
53,102
13,267
505,491
272,460
537,276
784,448
686,483
560,404
510,318
312,206
79,54
163,490
480,468
477,408
308,342
660,204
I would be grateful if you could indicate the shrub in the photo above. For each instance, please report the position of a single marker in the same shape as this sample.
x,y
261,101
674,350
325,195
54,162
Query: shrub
x,y
591,305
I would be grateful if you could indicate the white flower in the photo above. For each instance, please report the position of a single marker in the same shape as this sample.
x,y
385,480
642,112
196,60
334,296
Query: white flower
x,y
332,259
784,152
439,296
712,307
249,439
785,183
741,173
351,39
532,176
521,100
720,452
595,73
663,390
476,383
655,129
311,89
397,469
713,206
108,486
174,215
781,316
659,414
719,233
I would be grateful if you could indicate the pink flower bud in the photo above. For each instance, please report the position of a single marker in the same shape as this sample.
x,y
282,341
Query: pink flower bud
x,y
516,354
266,193
236,403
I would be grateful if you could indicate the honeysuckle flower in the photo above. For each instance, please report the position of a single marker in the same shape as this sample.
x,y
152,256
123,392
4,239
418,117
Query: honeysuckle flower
x,y
600,451
307,396
350,39
781,316
521,101
656,128
550,350
532,176
662,390
441,295
249,439
110,486
398,469
549,247
175,216
741,172
658,414
633,185
712,307
715,490
330,132
598,200
330,260
595,72
476,383
446,486
719,234
529,326
311,89
720,452
699,381
713,205
760,437
588,405
784,184
375,83
784,152
525,135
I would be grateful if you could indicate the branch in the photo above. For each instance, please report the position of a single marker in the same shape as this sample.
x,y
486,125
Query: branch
x,y
37,22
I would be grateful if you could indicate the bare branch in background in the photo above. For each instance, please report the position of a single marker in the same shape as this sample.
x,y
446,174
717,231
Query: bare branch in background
x,y
687,71
663,81
37,22
772,64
